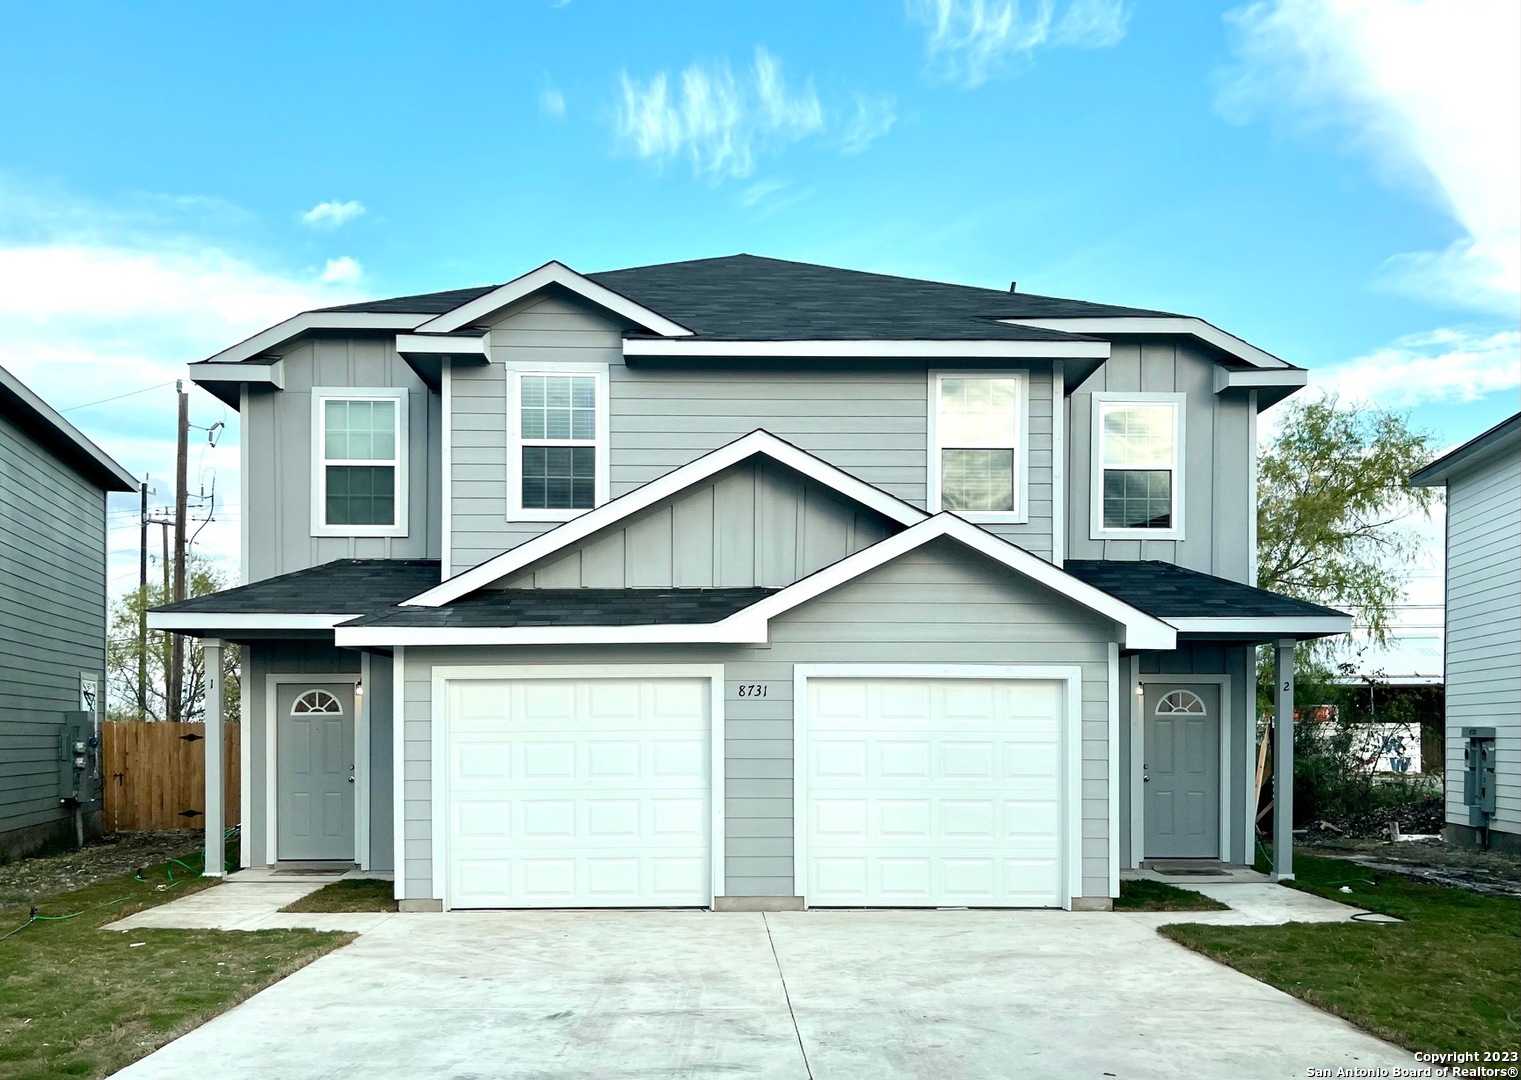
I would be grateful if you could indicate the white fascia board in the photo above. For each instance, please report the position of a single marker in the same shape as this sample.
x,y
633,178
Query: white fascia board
x,y
1142,631
271,374
609,513
1167,324
441,344
50,416
280,333
552,273
827,349
1260,379
1265,626
736,630
173,620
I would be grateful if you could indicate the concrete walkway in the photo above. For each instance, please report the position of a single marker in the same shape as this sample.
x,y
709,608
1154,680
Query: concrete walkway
x,y
827,995
251,900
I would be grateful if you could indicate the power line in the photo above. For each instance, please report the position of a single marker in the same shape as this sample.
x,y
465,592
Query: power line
x,y
118,397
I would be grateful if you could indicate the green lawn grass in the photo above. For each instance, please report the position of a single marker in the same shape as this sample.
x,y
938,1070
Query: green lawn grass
x,y
1446,979
77,1001
1144,895
356,894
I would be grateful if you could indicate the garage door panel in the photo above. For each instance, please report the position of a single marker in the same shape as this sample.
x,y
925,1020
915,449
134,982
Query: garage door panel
x,y
933,792
585,793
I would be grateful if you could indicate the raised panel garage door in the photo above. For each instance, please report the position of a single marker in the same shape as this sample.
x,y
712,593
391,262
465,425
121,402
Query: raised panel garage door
x,y
578,793
933,793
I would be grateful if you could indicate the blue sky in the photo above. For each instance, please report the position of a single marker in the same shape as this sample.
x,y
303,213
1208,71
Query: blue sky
x,y
1335,182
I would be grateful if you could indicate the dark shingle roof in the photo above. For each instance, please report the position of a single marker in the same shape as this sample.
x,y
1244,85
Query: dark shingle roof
x,y
575,607
1172,592
343,587
751,298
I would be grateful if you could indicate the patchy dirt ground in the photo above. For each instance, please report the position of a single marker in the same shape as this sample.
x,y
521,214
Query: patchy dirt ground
x,y
108,857
1435,860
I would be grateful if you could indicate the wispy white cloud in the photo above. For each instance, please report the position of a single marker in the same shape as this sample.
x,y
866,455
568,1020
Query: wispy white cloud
x,y
100,299
331,215
1430,91
969,41
766,197
723,121
872,118
1447,366
552,103
341,271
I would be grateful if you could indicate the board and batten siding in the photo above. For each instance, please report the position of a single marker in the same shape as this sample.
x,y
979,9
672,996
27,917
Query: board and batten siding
x,y
1218,445
757,523
870,420
278,439
938,604
52,616
1484,628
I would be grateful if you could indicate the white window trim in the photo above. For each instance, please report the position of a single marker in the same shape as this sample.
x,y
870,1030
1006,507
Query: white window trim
x,y
1020,515
1096,530
320,396
515,372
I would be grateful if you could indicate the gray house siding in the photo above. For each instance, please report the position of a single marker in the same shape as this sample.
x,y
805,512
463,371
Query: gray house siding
x,y
1219,448
939,604
1484,628
52,618
871,421
758,523
277,437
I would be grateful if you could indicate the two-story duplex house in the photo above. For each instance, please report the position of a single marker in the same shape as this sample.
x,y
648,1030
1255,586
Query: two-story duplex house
x,y
748,583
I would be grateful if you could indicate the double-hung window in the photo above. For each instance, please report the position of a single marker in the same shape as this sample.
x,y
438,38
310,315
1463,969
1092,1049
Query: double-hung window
x,y
359,483
977,457
1138,466
560,458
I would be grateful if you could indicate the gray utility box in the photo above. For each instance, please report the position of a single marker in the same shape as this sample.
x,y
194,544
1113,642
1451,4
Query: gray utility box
x,y
1479,774
78,760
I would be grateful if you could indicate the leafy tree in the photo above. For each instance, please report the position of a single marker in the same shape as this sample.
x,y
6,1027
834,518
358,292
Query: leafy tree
x,y
123,650
1333,493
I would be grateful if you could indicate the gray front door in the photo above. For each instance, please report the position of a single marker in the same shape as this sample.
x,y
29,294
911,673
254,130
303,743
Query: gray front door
x,y
1181,771
314,779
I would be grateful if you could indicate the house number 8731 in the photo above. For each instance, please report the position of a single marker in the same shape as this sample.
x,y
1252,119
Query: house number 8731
x,y
752,690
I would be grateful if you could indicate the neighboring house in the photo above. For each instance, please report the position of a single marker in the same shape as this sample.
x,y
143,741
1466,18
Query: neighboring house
x,y
53,484
1483,635
748,583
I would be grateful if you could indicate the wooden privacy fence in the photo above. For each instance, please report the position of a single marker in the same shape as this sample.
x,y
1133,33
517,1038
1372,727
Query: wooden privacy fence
x,y
155,776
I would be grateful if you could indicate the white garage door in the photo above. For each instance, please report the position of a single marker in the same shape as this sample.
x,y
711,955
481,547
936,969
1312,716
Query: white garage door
x,y
933,793
578,793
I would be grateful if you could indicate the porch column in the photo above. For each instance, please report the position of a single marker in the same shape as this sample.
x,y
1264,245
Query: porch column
x,y
215,858
1283,761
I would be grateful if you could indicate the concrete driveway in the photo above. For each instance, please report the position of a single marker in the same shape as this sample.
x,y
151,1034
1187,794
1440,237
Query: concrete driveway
x,y
827,995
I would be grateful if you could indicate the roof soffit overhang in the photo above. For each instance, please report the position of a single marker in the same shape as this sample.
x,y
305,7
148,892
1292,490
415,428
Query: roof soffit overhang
x,y
62,438
1245,367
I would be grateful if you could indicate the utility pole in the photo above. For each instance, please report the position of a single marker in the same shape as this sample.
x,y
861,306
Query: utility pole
x,y
142,613
176,678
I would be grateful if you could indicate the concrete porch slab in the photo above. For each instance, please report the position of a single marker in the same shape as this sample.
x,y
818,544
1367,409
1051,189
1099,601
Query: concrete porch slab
x,y
251,900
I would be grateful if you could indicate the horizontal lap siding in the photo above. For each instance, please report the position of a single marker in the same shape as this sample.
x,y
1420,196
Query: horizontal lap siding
x,y
52,616
913,610
1484,628
869,421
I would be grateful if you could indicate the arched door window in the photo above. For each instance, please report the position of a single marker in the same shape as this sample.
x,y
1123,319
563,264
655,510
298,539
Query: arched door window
x,y
318,702
1181,702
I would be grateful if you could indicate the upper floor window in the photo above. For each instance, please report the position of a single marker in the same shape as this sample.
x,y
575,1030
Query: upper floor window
x,y
977,456
560,460
359,486
1138,466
